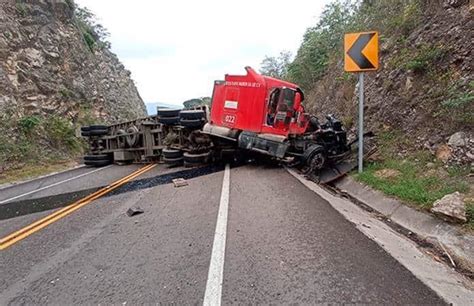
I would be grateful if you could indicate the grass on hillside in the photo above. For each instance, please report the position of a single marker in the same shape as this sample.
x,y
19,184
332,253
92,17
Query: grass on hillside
x,y
419,181
34,170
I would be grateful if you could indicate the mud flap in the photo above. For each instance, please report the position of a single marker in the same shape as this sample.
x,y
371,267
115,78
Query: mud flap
x,y
335,172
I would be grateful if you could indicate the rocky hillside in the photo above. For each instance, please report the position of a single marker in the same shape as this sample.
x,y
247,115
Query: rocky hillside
x,y
424,91
56,72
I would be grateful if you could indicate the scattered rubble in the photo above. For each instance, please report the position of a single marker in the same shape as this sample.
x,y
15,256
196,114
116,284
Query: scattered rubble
x,y
132,211
179,182
458,140
443,153
451,207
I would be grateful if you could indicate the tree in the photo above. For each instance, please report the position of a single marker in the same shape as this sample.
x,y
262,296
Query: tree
x,y
276,67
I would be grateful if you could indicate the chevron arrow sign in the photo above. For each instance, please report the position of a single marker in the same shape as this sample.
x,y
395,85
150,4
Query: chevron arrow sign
x,y
361,51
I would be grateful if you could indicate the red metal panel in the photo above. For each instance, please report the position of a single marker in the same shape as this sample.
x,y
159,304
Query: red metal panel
x,y
241,102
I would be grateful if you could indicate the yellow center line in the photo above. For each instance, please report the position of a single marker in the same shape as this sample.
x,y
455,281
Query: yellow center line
x,y
38,225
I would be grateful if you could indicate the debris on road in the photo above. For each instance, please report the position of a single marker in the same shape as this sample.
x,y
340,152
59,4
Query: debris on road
x,y
179,182
134,211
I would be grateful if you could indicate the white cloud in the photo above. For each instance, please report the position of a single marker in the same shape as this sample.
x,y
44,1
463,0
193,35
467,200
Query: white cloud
x,y
176,49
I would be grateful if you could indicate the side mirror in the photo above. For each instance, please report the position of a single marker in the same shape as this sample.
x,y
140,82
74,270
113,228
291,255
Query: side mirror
x,y
297,104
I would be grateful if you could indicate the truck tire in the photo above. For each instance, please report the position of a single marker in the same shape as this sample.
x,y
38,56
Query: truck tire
x,y
98,127
168,120
85,131
196,159
192,114
97,163
191,123
172,153
173,161
314,157
168,112
98,132
97,157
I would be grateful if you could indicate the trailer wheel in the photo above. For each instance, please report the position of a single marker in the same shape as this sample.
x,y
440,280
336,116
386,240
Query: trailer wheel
x,y
192,114
132,140
98,127
97,163
191,123
97,157
196,159
173,161
172,153
85,131
168,112
169,120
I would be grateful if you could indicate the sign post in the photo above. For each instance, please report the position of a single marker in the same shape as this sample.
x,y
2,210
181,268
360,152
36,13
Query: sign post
x,y
361,54
361,123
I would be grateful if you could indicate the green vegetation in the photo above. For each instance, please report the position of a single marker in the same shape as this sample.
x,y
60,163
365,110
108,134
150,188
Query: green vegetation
x,y
276,67
415,183
94,34
21,8
417,179
37,140
458,103
322,44
424,58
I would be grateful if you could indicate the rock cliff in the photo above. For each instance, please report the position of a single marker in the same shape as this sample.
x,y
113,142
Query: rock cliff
x,y
47,66
51,65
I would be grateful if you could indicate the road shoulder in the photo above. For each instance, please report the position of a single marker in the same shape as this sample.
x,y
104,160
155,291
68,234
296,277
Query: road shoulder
x,y
448,284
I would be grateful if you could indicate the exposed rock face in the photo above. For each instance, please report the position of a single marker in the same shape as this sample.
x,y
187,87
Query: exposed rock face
x,y
451,206
46,67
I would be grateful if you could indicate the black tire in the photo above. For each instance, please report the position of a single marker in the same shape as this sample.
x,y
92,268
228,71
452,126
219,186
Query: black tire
x,y
98,132
196,158
168,112
191,123
191,165
168,120
97,163
314,157
173,161
192,114
97,157
98,127
85,131
172,153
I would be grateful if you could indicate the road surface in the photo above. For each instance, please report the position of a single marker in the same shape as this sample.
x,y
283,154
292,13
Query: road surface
x,y
279,243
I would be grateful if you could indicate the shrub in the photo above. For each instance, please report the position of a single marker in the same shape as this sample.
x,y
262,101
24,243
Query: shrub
x,y
28,124
60,132
425,58
94,34
21,9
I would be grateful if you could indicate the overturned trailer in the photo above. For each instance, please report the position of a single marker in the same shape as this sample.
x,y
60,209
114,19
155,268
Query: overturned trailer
x,y
248,113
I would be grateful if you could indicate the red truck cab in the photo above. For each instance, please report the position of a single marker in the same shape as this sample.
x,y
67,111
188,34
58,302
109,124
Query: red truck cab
x,y
257,104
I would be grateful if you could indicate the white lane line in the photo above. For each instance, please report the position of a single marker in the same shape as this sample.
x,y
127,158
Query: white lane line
x,y
52,185
216,267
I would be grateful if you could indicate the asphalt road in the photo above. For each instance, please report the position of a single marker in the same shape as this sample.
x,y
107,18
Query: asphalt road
x,y
284,244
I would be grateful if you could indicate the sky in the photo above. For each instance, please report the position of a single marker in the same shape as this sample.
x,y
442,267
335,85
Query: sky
x,y
176,49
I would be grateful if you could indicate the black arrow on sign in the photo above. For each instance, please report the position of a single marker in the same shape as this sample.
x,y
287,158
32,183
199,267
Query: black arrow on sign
x,y
355,52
